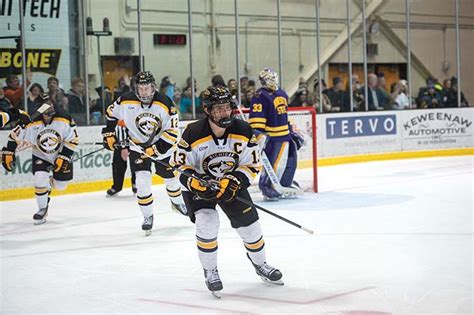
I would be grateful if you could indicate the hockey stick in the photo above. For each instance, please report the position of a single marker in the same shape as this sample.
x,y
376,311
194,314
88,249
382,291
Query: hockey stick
x,y
215,186
90,153
285,191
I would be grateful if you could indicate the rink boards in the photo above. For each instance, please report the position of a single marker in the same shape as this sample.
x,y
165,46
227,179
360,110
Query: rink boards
x,y
341,138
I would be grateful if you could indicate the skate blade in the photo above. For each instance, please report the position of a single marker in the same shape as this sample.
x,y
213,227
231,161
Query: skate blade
x,y
278,282
147,232
216,294
39,222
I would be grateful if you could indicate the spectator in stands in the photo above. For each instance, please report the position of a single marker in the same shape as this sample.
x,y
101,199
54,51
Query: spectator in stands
x,y
326,103
123,86
382,84
301,98
13,91
247,97
244,84
4,102
56,94
97,106
452,96
177,96
232,85
357,97
33,92
336,95
77,102
430,97
377,99
185,106
217,80
399,95
167,86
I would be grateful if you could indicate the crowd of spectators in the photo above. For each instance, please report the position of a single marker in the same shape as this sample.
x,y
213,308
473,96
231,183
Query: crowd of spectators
x,y
334,99
379,96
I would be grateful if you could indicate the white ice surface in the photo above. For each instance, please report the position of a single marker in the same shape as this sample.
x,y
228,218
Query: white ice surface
x,y
391,237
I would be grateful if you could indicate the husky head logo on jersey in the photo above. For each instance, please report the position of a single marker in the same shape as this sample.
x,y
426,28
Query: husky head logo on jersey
x,y
146,123
48,141
218,164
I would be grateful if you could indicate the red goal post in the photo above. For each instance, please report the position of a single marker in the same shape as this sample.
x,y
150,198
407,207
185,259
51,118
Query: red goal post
x,y
303,120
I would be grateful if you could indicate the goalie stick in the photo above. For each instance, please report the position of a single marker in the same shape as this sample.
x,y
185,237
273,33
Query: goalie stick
x,y
286,192
215,186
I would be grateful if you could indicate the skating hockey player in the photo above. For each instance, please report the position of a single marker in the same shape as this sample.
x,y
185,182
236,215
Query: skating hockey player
x,y
269,117
152,122
223,151
54,138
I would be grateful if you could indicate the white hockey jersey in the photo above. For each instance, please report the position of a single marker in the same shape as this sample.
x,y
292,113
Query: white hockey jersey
x,y
236,151
48,140
141,121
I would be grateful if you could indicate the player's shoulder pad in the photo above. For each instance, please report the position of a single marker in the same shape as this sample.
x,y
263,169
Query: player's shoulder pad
x,y
242,128
195,131
165,100
64,116
128,96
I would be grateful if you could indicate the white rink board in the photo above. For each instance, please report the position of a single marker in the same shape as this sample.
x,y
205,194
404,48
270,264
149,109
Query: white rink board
x,y
348,134
338,135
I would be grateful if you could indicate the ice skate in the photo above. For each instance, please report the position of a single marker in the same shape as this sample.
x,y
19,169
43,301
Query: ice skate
x,y
179,207
147,225
112,192
268,273
213,282
40,216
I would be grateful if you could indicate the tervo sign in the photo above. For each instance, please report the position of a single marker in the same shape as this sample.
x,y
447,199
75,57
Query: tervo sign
x,y
360,126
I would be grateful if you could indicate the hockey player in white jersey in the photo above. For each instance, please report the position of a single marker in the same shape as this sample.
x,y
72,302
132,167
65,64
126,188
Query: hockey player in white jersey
x,y
152,122
225,151
54,138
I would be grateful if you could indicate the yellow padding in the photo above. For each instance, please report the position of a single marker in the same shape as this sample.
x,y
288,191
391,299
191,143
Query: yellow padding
x,y
209,245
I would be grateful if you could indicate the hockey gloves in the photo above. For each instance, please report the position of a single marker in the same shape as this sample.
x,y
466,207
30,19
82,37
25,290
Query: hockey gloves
x,y
153,151
109,140
21,116
203,192
8,159
62,164
229,188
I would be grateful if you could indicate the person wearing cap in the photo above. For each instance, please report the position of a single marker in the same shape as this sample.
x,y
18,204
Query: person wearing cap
x,y
452,95
431,98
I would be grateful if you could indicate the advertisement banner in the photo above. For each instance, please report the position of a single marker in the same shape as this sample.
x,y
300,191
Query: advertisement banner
x,y
47,40
435,129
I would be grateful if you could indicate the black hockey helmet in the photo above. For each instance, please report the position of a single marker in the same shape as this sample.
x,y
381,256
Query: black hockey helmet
x,y
142,80
215,95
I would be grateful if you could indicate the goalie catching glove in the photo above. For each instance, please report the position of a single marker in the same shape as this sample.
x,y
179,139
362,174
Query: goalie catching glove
x,y
196,186
229,188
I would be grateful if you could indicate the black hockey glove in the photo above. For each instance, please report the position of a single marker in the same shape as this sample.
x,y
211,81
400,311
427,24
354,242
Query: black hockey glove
x,y
20,116
8,159
62,164
109,139
203,192
230,187
153,151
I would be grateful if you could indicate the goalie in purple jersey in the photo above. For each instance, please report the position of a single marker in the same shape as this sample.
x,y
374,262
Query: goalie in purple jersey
x,y
269,117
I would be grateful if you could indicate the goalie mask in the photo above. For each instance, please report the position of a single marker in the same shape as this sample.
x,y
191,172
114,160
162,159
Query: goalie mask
x,y
268,79
144,86
219,106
